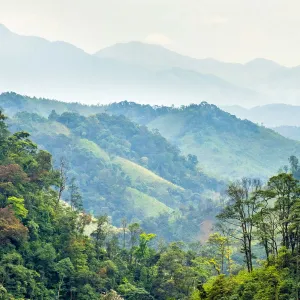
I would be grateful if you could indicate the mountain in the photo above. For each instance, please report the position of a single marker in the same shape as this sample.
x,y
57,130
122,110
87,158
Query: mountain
x,y
271,115
157,57
123,169
35,66
271,82
58,70
291,132
138,72
225,146
58,250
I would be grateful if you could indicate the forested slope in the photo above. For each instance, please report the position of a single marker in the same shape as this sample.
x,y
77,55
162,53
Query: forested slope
x,y
50,250
125,170
224,145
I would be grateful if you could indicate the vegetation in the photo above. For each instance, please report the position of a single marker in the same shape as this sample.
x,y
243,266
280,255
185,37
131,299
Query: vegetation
x,y
125,170
53,250
226,147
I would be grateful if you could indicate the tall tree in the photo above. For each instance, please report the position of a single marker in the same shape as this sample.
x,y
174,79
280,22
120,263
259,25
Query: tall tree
x,y
75,196
239,214
285,190
62,178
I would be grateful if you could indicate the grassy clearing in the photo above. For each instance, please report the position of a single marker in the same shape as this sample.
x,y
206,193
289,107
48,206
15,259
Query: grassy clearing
x,y
94,148
148,206
139,173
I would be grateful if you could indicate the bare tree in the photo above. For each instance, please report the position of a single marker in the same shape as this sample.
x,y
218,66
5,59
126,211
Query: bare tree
x,y
62,177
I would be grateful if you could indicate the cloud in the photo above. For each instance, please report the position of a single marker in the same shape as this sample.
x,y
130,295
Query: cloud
x,y
158,38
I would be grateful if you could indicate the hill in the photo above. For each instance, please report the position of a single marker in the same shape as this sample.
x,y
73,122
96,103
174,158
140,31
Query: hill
x,y
35,66
50,249
140,72
291,132
123,169
271,115
158,58
225,145
267,82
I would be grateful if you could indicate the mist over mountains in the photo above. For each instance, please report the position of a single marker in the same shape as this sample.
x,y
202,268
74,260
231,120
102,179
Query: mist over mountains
x,y
271,115
139,72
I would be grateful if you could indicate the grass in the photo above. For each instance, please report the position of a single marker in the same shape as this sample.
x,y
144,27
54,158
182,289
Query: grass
x,y
94,148
141,174
145,204
53,127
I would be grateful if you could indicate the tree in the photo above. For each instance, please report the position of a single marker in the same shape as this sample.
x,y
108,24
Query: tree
x,y
100,234
62,178
11,229
267,225
111,295
53,115
75,196
135,231
143,250
124,227
64,268
219,242
286,191
239,214
18,206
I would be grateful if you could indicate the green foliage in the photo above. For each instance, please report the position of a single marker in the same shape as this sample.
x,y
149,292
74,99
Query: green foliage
x,y
46,253
18,206
124,170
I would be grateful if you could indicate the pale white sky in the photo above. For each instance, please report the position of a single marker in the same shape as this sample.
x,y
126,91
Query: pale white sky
x,y
228,30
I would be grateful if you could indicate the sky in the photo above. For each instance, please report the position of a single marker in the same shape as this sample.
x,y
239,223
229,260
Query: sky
x,y
227,30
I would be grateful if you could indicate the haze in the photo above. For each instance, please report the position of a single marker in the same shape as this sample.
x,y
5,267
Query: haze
x,y
231,30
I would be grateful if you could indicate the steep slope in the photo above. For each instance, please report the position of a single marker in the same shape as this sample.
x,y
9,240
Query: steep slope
x,y
123,169
225,145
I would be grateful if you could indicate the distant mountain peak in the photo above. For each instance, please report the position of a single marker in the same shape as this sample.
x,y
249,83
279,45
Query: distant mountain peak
x,y
4,29
131,47
262,62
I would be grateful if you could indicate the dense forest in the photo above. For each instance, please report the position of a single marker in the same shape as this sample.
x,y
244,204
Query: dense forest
x,y
218,139
52,248
125,170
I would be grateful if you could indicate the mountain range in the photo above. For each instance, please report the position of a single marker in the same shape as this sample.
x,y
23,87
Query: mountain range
x,y
271,115
226,146
139,72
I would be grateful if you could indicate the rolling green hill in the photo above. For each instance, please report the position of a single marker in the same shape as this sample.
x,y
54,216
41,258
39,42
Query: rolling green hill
x,y
225,146
123,169
150,206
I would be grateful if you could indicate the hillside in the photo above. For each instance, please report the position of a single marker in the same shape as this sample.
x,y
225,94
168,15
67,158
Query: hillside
x,y
291,132
123,169
271,115
50,249
225,146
